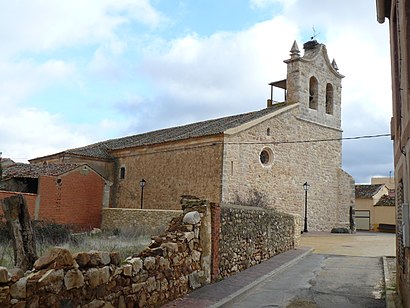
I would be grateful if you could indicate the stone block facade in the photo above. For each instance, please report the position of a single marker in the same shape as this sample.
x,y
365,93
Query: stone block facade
x,y
290,165
171,170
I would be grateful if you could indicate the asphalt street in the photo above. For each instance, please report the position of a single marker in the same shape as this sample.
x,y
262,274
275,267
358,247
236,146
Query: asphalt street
x,y
326,270
320,280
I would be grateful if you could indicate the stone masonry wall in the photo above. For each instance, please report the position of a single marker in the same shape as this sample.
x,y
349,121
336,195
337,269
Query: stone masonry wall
x,y
186,167
250,235
116,218
291,164
171,267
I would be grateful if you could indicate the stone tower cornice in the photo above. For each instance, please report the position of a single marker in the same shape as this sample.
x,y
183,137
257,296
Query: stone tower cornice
x,y
312,54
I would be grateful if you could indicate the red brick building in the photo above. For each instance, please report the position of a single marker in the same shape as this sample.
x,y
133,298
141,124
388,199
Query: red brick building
x,y
71,194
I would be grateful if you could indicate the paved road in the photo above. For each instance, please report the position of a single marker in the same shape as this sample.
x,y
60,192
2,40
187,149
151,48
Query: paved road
x,y
320,280
344,271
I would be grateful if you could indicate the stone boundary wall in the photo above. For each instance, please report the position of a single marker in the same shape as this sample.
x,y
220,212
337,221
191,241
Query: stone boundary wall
x,y
118,218
250,235
170,267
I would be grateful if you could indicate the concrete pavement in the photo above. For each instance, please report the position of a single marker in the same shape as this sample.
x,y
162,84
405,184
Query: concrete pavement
x,y
365,244
325,245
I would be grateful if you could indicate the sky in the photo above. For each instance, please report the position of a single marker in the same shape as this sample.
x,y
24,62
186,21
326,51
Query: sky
x,y
76,72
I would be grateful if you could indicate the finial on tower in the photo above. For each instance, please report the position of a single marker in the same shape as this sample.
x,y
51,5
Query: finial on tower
x,y
294,51
334,65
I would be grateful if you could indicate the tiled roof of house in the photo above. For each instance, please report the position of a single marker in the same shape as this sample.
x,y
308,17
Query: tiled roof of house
x,y
386,200
21,170
102,149
367,191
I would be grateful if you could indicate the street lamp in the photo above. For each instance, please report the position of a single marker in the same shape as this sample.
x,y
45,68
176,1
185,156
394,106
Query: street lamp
x,y
306,188
142,184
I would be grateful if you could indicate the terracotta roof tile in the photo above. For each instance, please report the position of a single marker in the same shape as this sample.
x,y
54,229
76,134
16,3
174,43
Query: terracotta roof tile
x,y
102,149
367,191
386,200
21,170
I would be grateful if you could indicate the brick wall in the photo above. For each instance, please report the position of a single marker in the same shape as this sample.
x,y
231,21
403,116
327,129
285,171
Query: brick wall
x,y
215,238
30,200
73,198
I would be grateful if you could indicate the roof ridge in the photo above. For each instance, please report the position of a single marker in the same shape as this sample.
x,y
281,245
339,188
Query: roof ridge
x,y
102,149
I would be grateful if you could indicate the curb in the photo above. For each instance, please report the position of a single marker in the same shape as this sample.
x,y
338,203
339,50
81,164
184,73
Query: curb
x,y
260,280
389,285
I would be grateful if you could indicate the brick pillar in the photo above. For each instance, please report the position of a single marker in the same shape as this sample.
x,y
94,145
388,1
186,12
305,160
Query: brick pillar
x,y
215,237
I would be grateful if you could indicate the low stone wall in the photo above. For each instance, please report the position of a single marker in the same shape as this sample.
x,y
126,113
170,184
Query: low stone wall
x,y
118,218
250,235
174,264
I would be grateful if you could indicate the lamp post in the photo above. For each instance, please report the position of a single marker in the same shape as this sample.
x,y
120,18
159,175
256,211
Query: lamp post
x,y
142,184
306,188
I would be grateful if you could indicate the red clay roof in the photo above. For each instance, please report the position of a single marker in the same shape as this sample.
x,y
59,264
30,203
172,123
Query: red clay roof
x,y
102,150
21,170
386,200
367,191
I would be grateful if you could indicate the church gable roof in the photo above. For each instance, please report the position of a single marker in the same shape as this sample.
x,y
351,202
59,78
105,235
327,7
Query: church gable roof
x,y
102,150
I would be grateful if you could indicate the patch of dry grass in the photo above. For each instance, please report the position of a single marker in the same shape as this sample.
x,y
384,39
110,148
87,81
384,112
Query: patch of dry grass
x,y
125,241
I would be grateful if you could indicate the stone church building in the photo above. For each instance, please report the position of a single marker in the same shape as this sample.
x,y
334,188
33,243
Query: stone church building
x,y
273,151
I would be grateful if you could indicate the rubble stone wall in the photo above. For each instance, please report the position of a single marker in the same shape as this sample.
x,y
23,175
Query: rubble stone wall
x,y
169,268
118,218
250,235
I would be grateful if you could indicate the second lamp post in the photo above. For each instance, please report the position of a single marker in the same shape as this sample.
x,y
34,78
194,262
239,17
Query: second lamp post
x,y
306,188
142,184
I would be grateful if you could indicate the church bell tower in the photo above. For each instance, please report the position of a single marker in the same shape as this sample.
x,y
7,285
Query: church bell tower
x,y
314,82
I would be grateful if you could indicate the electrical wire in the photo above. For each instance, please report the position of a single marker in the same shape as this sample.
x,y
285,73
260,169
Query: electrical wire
x,y
276,142
314,140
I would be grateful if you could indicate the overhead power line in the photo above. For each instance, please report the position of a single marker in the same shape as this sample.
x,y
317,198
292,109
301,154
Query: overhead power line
x,y
313,140
287,142
334,139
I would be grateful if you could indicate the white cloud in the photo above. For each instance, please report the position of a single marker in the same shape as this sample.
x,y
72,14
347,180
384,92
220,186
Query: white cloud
x,y
43,25
24,78
188,78
262,4
227,71
34,132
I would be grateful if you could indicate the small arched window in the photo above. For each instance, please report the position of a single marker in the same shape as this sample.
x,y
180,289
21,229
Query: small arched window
x,y
313,93
122,173
329,99
268,132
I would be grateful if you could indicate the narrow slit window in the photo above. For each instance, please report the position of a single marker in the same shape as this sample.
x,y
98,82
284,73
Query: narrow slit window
x,y
122,173
329,99
313,93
